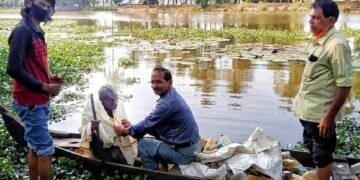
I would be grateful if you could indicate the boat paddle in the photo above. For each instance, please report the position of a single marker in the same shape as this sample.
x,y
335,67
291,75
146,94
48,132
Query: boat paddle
x,y
96,144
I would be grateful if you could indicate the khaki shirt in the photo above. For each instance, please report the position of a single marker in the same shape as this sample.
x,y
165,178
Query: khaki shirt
x,y
332,68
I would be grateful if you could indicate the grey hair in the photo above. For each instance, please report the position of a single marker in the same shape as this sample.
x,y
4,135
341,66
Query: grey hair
x,y
107,91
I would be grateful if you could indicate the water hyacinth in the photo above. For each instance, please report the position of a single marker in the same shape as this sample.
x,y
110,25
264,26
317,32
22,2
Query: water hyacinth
x,y
73,52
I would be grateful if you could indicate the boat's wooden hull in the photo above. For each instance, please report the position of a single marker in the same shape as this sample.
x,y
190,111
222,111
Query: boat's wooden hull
x,y
16,131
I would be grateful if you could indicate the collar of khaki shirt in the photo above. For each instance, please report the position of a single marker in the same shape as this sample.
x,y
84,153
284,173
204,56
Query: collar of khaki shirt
x,y
322,40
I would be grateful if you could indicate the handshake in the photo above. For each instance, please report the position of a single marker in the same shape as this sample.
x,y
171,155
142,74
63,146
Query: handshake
x,y
121,130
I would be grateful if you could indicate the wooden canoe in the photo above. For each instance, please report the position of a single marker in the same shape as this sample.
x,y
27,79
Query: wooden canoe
x,y
65,144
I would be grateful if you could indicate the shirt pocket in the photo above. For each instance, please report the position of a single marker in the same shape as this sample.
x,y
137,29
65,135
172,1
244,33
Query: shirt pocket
x,y
311,65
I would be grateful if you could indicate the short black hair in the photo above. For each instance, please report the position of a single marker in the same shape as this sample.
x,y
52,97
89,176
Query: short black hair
x,y
52,2
329,8
167,73
25,11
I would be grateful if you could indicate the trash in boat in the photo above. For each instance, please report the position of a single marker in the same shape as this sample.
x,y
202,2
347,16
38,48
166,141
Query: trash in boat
x,y
294,166
259,156
355,169
210,144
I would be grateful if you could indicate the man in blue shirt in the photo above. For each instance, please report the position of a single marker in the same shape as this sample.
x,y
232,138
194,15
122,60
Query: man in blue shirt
x,y
171,123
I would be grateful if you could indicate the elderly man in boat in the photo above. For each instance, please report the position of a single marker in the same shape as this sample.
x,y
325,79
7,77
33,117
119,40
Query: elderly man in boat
x,y
171,123
109,113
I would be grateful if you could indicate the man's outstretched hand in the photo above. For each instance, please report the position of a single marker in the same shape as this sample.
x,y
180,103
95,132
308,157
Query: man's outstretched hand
x,y
126,123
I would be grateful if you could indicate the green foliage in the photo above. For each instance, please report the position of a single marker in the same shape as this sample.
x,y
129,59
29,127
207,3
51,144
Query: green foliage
x,y
5,80
72,56
300,146
243,35
219,1
6,25
66,168
77,53
352,33
117,1
240,34
126,62
132,80
12,157
203,3
5,166
9,159
348,138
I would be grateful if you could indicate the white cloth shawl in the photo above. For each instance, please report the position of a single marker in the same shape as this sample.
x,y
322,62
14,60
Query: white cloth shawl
x,y
107,134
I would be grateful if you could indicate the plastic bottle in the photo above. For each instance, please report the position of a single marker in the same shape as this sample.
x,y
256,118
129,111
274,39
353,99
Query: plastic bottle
x,y
300,170
219,145
224,140
210,144
290,164
294,166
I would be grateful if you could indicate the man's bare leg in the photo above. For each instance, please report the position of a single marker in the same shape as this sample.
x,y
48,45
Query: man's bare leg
x,y
44,167
33,165
324,173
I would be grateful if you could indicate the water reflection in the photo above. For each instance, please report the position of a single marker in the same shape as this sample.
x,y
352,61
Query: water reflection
x,y
241,93
231,90
230,93
239,75
287,81
207,20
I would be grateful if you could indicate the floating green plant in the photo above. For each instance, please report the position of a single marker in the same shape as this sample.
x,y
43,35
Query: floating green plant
x,y
240,34
126,62
132,80
352,33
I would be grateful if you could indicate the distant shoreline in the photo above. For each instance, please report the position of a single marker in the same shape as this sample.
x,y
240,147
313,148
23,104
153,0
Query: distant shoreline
x,y
352,7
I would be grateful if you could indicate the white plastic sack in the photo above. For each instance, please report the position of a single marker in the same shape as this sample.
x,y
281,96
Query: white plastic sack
x,y
223,153
260,151
203,171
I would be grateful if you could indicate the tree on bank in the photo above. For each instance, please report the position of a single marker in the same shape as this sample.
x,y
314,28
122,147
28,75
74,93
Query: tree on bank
x,y
83,4
11,3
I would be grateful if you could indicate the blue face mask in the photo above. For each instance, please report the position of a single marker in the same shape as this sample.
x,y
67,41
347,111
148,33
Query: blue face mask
x,y
109,103
39,13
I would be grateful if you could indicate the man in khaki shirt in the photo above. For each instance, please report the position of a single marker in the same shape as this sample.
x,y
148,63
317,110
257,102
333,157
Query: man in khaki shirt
x,y
325,85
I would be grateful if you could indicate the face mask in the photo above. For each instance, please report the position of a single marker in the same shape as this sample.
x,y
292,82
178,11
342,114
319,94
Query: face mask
x,y
39,13
321,33
109,104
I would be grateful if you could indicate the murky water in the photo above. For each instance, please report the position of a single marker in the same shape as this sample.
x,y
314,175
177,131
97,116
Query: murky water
x,y
207,20
229,92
